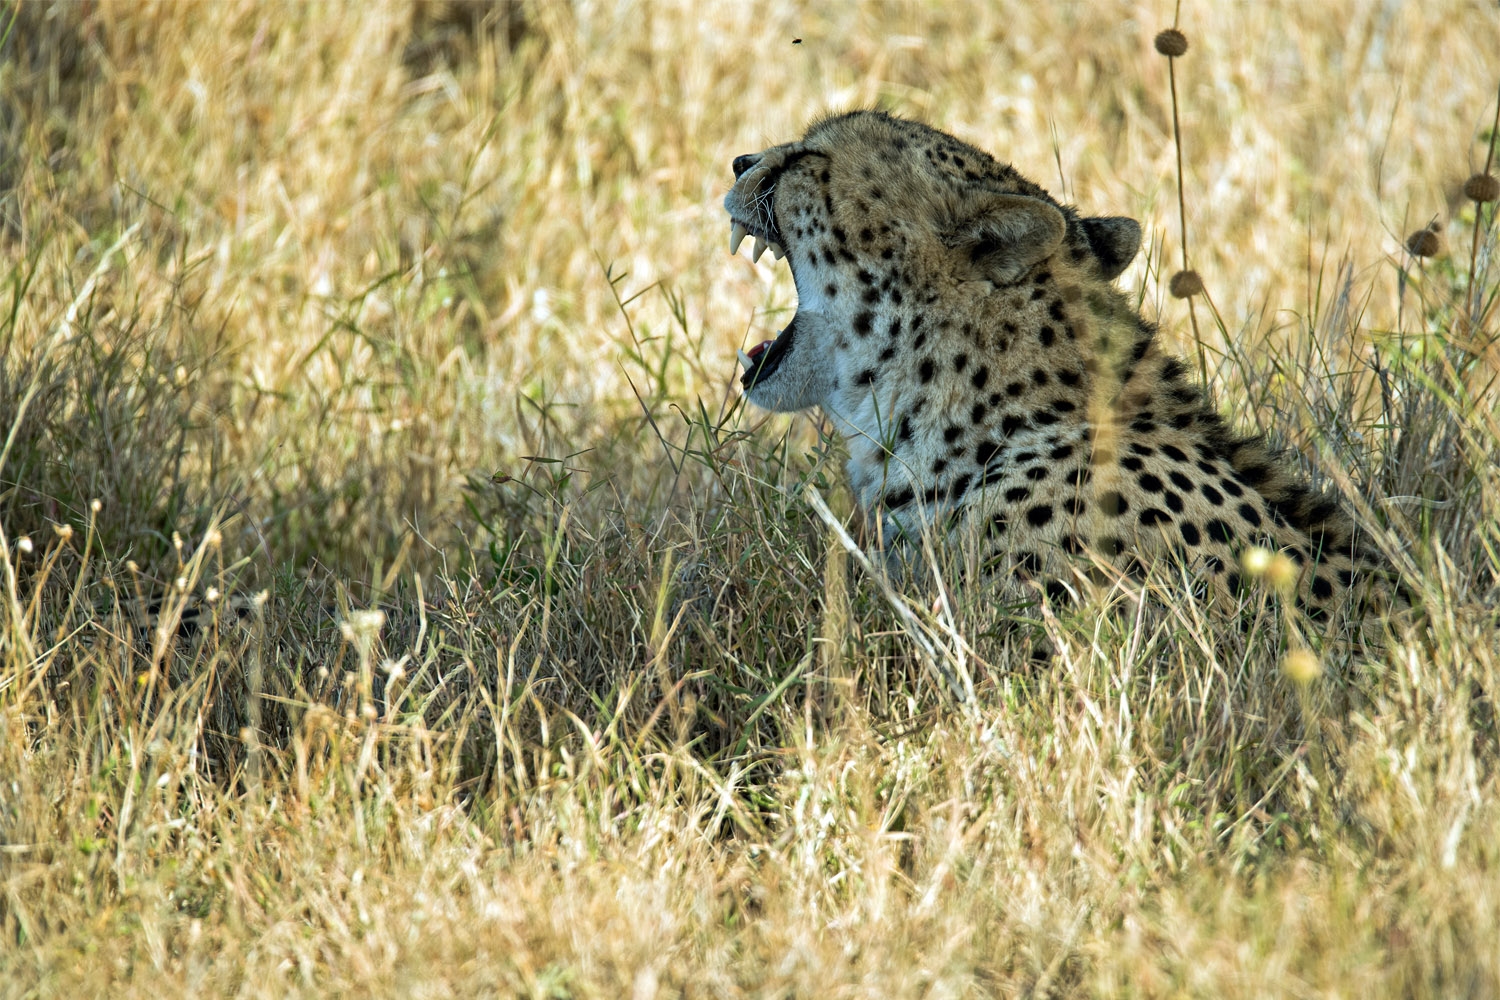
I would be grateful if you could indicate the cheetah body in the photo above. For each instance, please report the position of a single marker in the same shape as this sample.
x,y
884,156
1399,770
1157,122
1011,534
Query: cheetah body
x,y
961,329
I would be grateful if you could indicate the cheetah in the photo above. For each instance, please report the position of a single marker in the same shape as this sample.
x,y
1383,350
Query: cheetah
x,y
961,330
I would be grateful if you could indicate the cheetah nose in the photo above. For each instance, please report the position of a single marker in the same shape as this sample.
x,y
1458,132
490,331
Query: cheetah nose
x,y
744,163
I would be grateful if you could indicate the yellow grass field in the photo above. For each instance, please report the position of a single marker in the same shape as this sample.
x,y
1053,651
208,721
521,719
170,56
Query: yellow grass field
x,y
396,597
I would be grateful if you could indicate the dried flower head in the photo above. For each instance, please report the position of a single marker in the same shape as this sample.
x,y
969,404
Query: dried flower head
x,y
1482,188
1185,284
1274,569
1282,574
1302,666
24,544
1171,43
1256,560
1424,242
362,628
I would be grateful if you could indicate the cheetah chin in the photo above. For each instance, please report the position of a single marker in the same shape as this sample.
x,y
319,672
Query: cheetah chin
x,y
961,329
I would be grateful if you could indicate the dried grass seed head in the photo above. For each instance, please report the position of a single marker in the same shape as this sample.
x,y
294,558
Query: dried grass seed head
x,y
1424,242
1482,188
1171,43
1185,284
1302,666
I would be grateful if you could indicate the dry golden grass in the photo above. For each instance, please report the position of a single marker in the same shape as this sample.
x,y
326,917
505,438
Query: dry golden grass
x,y
349,306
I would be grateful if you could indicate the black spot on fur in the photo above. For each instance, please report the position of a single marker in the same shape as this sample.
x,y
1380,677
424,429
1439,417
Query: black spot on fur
x,y
862,323
1190,532
1112,503
1017,493
1219,531
900,498
1250,514
1212,495
1255,475
1174,453
1039,515
924,371
1154,515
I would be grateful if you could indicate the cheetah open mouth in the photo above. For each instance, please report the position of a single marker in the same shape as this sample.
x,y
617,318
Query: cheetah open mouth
x,y
764,358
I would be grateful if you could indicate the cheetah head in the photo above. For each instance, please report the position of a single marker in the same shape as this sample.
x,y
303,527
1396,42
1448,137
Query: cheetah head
x,y
882,219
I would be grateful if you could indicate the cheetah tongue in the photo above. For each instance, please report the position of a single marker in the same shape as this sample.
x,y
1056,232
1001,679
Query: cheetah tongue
x,y
762,360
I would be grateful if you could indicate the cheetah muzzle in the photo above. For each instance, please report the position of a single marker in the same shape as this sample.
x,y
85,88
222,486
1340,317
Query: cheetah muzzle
x,y
962,331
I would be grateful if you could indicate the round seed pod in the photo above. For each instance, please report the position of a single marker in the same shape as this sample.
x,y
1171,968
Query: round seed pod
x,y
1185,284
1482,187
1171,43
1424,243
1302,666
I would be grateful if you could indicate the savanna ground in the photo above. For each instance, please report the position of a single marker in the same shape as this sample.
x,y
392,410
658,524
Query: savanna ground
x,y
398,598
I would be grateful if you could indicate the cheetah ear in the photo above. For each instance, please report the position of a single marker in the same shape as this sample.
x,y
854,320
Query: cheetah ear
x,y
1115,241
1007,234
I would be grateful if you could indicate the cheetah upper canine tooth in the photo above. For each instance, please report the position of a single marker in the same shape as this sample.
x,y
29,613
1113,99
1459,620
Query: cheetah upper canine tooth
x,y
760,248
777,252
737,234
746,361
